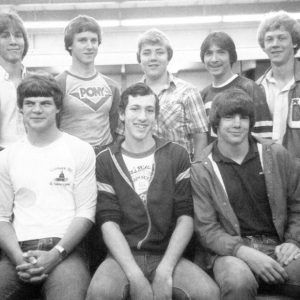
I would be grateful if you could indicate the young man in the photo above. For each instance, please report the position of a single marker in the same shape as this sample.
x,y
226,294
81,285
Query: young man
x,y
90,105
218,53
182,116
279,37
247,205
145,212
48,198
13,48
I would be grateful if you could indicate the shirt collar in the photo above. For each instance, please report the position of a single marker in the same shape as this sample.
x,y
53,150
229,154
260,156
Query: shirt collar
x,y
4,74
172,81
219,157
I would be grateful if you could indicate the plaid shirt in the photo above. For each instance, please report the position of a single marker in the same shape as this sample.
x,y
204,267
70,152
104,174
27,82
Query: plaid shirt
x,y
181,114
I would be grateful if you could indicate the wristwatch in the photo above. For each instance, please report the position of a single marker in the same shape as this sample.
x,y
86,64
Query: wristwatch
x,y
62,252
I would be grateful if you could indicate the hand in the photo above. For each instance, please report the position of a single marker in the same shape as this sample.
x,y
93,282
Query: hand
x,y
38,264
263,265
162,284
140,288
287,252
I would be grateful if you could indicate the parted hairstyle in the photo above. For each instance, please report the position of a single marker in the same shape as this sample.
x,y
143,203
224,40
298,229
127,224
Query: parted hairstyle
x,y
222,40
80,24
39,85
137,89
12,22
230,102
279,20
154,36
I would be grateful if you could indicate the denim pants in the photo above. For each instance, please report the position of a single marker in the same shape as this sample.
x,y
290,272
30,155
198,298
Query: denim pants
x,y
237,281
69,280
189,281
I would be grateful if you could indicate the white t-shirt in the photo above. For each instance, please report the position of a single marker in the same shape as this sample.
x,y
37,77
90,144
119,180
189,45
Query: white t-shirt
x,y
42,189
141,169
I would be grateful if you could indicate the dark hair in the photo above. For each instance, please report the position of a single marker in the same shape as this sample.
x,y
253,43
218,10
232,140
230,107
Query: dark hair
x,y
80,24
10,21
277,20
154,36
39,85
221,39
137,89
230,102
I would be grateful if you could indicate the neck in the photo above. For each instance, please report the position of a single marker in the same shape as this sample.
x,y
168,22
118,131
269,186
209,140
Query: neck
x,y
138,146
283,72
43,138
82,70
218,80
235,152
157,83
13,69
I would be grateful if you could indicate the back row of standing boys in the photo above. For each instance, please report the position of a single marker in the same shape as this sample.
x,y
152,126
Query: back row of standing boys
x,y
242,196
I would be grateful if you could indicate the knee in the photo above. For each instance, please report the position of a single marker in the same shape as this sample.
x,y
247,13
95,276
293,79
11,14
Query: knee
x,y
105,292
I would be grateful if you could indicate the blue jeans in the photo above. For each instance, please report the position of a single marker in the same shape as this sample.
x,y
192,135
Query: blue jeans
x,y
67,281
237,281
189,281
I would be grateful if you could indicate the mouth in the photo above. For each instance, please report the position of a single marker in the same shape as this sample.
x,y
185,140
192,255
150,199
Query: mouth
x,y
141,126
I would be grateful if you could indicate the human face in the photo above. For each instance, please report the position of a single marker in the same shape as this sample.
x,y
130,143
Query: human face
x,y
84,48
233,129
139,118
154,60
217,62
12,45
278,45
39,113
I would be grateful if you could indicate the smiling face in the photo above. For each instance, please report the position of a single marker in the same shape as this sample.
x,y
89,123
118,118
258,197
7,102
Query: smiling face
x,y
233,129
217,62
278,46
139,118
154,60
11,45
39,113
84,48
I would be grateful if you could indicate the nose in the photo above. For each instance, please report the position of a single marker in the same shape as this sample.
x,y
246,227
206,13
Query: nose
x,y
142,115
37,108
89,44
274,42
153,55
237,121
12,38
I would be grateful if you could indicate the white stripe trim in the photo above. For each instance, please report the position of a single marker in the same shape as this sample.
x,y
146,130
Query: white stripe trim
x,y
207,105
217,172
263,123
260,152
103,187
184,175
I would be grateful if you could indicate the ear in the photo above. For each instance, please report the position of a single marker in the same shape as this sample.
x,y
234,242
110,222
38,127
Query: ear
x,y
138,57
121,116
21,111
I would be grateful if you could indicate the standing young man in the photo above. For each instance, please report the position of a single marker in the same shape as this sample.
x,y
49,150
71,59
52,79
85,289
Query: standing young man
x,y
182,116
218,53
279,37
247,206
145,212
13,48
90,105
48,198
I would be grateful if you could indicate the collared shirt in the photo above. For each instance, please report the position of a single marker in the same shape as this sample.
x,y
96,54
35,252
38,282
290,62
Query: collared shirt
x,y
11,120
246,189
278,104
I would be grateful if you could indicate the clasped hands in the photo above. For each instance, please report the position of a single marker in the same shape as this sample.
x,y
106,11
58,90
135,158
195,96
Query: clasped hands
x,y
36,265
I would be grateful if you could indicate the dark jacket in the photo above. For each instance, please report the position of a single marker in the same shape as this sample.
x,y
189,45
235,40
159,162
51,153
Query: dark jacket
x,y
146,225
216,225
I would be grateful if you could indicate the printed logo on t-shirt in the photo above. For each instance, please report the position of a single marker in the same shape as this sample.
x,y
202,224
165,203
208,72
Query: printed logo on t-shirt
x,y
92,96
62,176
294,113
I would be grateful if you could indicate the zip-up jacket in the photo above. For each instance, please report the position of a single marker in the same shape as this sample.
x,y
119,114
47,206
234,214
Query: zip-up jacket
x,y
146,225
291,139
216,224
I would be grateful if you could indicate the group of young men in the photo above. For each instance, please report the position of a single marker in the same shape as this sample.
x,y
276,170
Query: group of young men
x,y
76,153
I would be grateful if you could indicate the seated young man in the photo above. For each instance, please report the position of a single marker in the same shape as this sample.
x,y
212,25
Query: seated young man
x,y
247,205
218,53
145,212
48,199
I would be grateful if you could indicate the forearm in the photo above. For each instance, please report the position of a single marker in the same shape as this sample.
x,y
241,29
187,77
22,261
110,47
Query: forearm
x,y
76,231
200,142
9,243
119,248
178,242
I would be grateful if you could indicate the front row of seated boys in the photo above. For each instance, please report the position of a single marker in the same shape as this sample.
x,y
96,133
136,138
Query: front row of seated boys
x,y
246,210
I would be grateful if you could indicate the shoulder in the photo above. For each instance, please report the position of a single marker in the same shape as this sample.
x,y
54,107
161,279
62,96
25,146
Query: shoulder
x,y
61,77
76,145
109,81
